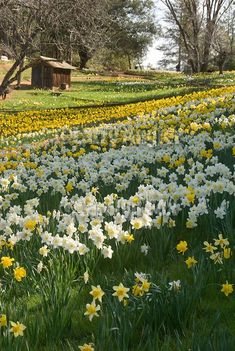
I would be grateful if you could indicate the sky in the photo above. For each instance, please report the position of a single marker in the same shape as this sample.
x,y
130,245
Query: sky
x,y
154,55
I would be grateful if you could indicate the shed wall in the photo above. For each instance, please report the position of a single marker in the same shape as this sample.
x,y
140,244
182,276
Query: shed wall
x,y
37,76
47,77
44,76
61,76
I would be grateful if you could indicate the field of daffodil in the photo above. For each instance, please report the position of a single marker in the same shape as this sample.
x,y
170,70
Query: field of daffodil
x,y
117,227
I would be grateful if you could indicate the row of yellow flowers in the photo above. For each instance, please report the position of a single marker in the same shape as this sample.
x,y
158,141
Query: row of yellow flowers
x,y
33,121
164,125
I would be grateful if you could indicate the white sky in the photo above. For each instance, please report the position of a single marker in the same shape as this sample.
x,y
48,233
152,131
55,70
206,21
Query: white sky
x,y
154,55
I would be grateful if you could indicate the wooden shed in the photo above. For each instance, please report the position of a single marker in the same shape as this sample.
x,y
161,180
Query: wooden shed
x,y
50,73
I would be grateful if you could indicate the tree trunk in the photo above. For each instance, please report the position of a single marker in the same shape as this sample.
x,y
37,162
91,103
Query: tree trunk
x,y
19,75
84,56
129,61
7,80
205,58
206,50
221,61
178,66
4,87
193,64
10,72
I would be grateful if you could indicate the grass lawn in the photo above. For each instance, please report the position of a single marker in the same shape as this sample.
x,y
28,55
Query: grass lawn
x,y
90,88
86,94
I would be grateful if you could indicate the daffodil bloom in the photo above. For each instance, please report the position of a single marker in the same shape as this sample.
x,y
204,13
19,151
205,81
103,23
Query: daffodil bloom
x,y
10,245
227,252
145,285
227,288
120,292
189,224
137,223
3,320
19,273
137,290
233,151
86,277
7,261
217,257
190,197
144,249
17,328
69,187
135,200
97,293
142,286
95,190
166,158
191,262
44,251
217,145
209,247
40,267
175,285
222,242
129,238
182,246
91,310
30,224
86,347
171,223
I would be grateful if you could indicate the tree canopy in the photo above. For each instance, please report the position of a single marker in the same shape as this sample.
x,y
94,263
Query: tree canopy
x,y
197,24
64,28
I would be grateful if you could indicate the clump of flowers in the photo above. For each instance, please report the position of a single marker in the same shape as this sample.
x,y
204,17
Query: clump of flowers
x,y
16,328
219,251
142,285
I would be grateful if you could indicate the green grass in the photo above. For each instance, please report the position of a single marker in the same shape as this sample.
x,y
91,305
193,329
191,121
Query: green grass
x,y
198,321
83,94
90,88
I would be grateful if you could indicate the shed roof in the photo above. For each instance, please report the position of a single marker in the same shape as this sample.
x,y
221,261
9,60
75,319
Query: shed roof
x,y
52,62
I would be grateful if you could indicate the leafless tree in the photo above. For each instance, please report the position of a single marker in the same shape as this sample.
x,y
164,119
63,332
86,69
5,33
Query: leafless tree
x,y
20,25
67,25
197,21
223,44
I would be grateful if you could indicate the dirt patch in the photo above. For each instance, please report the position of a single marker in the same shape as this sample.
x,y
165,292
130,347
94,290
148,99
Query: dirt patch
x,y
25,84
5,66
